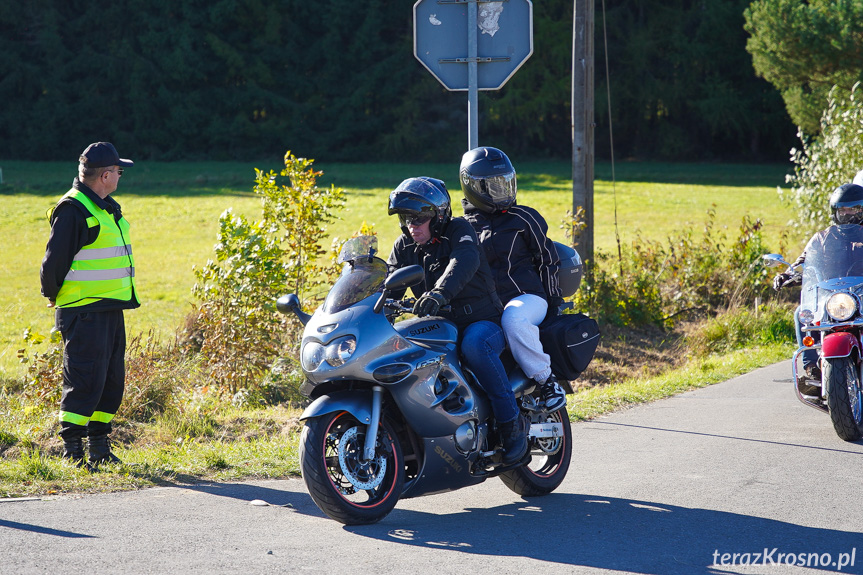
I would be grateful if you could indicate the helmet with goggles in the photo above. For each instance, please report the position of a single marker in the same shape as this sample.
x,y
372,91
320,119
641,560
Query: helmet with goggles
x,y
418,200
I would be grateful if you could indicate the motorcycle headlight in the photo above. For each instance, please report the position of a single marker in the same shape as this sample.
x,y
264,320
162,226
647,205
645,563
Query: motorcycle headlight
x,y
336,353
313,356
340,350
841,306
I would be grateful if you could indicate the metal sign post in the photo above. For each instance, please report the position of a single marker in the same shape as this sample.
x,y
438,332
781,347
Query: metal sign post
x,y
493,39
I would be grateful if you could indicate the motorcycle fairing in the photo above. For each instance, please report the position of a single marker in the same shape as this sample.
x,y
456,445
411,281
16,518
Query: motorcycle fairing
x,y
443,469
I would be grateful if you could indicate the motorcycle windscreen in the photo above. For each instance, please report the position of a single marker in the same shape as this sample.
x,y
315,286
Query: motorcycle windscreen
x,y
360,278
358,247
834,260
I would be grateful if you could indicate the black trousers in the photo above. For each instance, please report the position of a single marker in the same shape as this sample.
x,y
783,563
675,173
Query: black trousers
x,y
94,372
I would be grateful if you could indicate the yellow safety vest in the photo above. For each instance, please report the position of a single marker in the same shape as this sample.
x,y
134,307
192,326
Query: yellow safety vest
x,y
104,269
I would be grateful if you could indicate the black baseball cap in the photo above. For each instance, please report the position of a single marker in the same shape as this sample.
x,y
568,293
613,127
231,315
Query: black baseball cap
x,y
102,155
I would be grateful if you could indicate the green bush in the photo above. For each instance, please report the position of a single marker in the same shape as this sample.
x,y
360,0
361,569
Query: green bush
x,y
241,334
826,162
653,283
743,327
43,381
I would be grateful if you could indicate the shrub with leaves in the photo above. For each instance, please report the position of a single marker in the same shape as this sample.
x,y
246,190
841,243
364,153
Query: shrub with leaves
x,y
44,379
155,375
826,162
241,331
297,211
652,283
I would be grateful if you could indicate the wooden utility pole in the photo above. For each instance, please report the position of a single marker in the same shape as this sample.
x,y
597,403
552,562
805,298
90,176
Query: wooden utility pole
x,y
583,123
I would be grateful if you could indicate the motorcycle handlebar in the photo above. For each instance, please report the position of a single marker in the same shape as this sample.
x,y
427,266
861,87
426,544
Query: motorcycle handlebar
x,y
407,305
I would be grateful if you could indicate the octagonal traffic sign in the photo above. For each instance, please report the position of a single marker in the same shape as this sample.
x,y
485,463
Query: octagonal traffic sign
x,y
504,40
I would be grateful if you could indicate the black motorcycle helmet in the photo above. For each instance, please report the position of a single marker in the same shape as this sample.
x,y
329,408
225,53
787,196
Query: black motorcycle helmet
x,y
846,204
488,179
421,197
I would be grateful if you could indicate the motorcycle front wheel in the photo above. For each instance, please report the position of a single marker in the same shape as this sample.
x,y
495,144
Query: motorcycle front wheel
x,y
844,397
549,460
344,486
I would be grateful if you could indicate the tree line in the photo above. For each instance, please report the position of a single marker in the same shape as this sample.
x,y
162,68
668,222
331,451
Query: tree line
x,y
337,81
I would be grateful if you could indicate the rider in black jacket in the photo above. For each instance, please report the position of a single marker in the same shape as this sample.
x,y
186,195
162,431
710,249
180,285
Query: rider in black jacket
x,y
846,207
523,259
457,274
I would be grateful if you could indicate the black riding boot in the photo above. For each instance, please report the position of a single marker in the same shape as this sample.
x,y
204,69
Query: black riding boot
x,y
100,451
73,450
73,443
100,445
514,437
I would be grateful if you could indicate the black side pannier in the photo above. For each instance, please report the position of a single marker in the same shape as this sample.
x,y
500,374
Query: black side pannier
x,y
571,341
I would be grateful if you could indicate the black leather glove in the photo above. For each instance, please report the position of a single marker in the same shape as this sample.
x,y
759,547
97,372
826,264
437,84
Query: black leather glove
x,y
779,280
784,279
429,304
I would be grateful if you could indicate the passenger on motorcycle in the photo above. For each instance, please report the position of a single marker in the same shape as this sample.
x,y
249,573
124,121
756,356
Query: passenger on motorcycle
x,y
457,274
846,207
522,257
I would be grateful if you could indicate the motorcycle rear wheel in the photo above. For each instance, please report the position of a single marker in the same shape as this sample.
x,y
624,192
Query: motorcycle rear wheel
x,y
347,489
844,398
549,460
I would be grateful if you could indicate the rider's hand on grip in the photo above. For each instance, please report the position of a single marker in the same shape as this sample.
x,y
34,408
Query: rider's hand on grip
x,y
429,304
779,280
785,279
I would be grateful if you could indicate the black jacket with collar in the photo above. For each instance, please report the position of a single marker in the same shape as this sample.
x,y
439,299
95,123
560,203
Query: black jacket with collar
x,y
454,267
522,257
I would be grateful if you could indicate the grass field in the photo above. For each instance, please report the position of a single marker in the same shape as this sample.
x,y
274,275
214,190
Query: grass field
x,y
174,210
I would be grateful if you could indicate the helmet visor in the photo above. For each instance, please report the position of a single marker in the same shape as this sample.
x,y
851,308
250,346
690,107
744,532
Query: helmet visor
x,y
500,189
851,214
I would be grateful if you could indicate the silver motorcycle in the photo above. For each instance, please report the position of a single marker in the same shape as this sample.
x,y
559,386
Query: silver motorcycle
x,y
831,317
394,413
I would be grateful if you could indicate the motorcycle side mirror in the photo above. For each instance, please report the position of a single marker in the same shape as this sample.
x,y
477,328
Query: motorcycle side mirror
x,y
402,278
291,304
774,260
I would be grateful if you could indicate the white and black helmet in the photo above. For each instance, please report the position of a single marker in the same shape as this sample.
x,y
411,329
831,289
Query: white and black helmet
x,y
488,179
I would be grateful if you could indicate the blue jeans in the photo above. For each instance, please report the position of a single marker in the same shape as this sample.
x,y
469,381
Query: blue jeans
x,y
481,346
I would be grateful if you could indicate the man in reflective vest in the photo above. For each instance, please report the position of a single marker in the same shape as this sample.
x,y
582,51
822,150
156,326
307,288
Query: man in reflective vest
x,y
88,275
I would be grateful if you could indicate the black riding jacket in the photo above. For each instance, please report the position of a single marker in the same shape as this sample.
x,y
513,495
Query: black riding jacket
x,y
522,257
454,267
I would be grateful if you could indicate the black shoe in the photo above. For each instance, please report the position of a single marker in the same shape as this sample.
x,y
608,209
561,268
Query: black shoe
x,y
513,435
551,395
100,451
813,372
73,450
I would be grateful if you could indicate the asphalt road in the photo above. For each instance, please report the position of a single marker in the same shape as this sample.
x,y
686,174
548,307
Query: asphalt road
x,y
668,488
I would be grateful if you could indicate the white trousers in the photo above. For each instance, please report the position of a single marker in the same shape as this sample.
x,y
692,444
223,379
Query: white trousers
x,y
521,316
